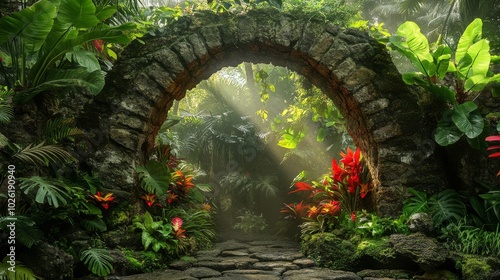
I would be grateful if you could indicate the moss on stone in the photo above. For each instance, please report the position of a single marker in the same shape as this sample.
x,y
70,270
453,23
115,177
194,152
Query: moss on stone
x,y
475,267
327,250
377,249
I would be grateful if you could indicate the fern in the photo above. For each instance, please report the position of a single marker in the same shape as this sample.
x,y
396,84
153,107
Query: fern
x,y
43,154
48,191
6,113
154,177
21,273
98,261
59,128
418,203
446,206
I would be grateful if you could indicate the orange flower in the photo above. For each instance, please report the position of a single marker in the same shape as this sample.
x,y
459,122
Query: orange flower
x,y
364,189
104,200
183,183
331,208
171,197
150,199
177,227
313,211
206,207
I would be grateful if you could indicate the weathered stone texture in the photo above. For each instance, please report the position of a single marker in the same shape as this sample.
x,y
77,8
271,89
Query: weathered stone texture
x,y
351,68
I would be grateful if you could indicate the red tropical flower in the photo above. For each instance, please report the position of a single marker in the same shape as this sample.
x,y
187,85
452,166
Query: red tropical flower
x,y
353,217
172,197
331,208
302,187
104,201
150,199
177,227
98,45
297,210
183,183
338,172
365,188
351,160
313,211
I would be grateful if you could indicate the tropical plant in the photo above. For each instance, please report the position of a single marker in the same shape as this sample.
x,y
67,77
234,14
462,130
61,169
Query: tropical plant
x,y
470,71
49,191
98,261
21,271
444,207
473,240
27,232
249,222
53,33
156,235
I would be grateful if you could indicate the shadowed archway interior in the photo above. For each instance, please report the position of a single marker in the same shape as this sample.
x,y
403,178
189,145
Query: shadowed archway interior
x,y
352,69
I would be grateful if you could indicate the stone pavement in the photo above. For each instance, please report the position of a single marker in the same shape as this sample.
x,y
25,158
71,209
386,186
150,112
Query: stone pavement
x,y
270,259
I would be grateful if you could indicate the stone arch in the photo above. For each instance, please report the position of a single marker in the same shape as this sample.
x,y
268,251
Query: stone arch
x,y
352,69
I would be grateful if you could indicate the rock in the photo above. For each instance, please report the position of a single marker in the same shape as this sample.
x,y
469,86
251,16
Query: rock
x,y
423,250
234,254
230,245
208,254
275,265
180,265
384,273
421,222
170,274
202,272
303,263
222,264
327,250
319,274
437,275
475,268
49,262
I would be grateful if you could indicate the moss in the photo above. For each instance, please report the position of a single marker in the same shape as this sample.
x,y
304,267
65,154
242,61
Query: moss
x,y
327,250
377,249
475,268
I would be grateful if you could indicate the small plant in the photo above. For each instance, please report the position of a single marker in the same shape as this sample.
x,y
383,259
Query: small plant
x,y
249,222
21,272
156,235
98,261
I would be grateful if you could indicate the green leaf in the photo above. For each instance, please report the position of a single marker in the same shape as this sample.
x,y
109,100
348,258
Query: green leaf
x,y
476,61
21,271
77,13
290,139
479,142
447,132
447,206
415,78
471,35
418,203
414,45
98,261
84,58
443,92
42,154
105,12
321,134
47,191
32,24
95,225
154,177
442,57
467,119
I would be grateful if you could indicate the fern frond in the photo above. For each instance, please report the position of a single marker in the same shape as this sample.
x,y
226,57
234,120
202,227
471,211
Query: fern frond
x,y
59,128
98,261
43,154
154,177
48,191
6,113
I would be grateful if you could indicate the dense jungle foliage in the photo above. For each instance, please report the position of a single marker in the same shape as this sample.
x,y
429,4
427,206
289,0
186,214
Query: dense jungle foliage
x,y
241,145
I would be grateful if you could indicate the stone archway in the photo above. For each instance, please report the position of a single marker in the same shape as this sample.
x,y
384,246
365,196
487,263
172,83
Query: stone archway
x,y
352,69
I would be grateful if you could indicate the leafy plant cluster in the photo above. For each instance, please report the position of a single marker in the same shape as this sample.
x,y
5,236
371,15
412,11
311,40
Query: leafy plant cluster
x,y
178,220
249,222
339,194
455,77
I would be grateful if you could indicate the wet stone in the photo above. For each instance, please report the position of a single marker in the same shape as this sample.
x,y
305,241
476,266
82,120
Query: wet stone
x,y
303,263
202,272
234,254
230,263
276,264
231,245
319,274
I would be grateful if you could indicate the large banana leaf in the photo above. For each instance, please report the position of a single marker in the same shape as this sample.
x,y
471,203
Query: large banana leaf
x,y
32,24
154,177
471,35
476,61
415,46
77,13
468,119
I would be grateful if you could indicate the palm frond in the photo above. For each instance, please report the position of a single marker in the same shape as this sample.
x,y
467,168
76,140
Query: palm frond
x,y
48,191
447,206
21,272
6,113
42,154
98,261
59,128
26,231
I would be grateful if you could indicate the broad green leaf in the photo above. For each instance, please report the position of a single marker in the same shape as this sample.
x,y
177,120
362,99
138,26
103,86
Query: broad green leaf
x,y
442,57
154,177
447,132
479,142
476,60
84,58
443,92
476,83
467,119
47,191
105,12
321,134
414,45
471,35
290,139
415,78
32,24
78,13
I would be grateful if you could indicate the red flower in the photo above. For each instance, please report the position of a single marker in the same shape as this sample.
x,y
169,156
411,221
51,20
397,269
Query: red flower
x,y
296,210
338,173
353,217
177,227
150,200
313,211
103,200
302,187
365,188
183,182
331,208
172,197
98,45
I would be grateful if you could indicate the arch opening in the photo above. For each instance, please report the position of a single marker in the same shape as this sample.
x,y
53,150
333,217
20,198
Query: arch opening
x,y
352,69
